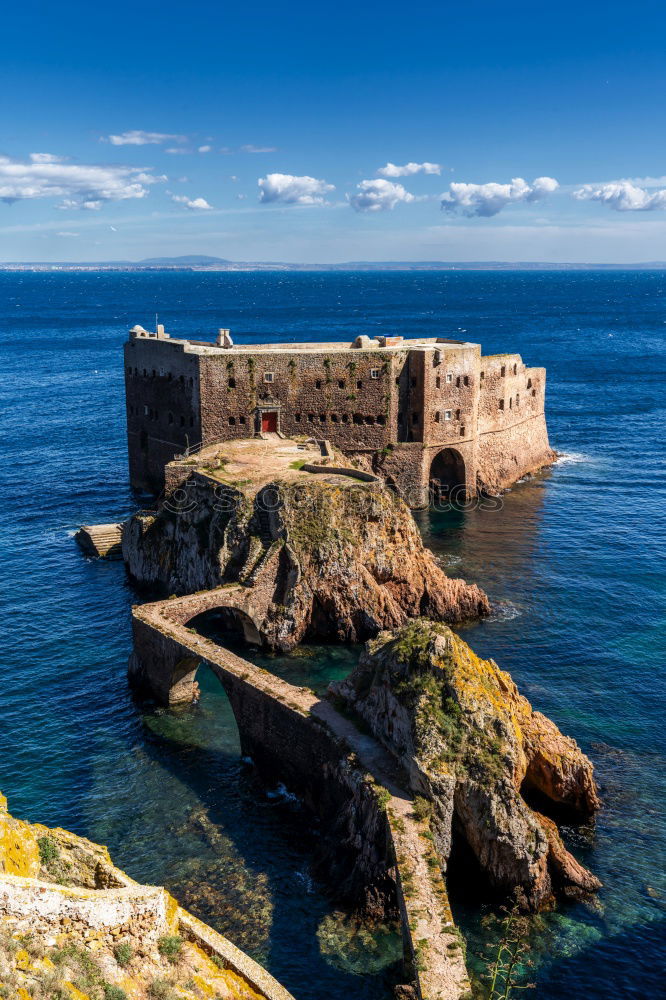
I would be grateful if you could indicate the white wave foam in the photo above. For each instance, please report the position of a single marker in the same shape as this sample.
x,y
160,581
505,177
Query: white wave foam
x,y
503,611
283,794
571,458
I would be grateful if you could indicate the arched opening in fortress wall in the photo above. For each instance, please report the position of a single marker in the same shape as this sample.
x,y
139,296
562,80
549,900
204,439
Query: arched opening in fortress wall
x,y
447,473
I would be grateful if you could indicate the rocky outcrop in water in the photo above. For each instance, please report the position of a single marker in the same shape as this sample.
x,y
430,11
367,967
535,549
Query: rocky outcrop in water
x,y
473,748
324,560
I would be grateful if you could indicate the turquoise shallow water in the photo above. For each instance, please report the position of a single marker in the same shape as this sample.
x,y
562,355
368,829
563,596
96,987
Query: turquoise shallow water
x,y
574,563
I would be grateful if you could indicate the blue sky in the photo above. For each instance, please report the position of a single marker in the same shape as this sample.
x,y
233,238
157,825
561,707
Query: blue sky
x,y
312,133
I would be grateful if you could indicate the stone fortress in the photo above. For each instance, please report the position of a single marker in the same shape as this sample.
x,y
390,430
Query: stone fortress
x,y
423,413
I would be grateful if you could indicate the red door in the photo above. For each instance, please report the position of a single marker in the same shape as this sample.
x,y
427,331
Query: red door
x,y
269,422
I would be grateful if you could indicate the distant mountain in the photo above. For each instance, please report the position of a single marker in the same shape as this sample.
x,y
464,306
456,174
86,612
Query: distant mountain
x,y
188,259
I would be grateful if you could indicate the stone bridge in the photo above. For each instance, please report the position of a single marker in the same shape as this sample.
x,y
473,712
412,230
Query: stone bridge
x,y
377,846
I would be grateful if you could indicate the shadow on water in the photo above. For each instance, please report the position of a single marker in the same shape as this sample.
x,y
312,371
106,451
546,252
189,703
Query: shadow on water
x,y
245,853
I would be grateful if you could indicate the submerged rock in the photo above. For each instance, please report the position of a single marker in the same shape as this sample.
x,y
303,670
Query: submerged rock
x,y
325,559
473,747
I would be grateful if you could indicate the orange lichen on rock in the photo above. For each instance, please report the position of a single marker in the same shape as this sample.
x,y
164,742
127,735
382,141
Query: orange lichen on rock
x,y
474,746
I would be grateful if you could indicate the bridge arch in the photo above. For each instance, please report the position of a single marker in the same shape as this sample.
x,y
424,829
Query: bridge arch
x,y
447,474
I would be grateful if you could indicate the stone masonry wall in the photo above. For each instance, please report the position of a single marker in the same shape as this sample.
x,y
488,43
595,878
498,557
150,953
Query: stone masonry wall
x,y
376,405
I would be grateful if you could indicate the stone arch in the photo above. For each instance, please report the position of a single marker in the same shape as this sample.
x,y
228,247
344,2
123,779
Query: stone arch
x,y
447,473
233,623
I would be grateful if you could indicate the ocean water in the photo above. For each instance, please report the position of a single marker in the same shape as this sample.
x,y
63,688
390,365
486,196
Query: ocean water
x,y
574,563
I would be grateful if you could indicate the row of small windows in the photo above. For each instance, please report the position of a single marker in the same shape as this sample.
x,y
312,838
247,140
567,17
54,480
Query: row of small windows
x,y
342,418
148,411
134,372
501,402
342,384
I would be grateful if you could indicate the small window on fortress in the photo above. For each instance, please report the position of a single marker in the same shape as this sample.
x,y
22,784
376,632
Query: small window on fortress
x,y
503,371
345,418
232,383
358,419
462,432
458,382
483,375
449,378
359,385
311,417
268,376
297,418
334,418
232,421
317,383
241,420
369,420
466,379
374,373
515,369
534,392
457,414
447,414
438,383
517,399
341,383
322,418
529,383
510,402
437,417
501,404
381,419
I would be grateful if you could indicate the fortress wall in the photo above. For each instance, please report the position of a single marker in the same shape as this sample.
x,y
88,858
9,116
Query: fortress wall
x,y
162,407
321,394
451,385
513,437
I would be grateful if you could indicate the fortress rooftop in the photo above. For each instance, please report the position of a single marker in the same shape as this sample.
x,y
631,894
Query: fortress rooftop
x,y
363,342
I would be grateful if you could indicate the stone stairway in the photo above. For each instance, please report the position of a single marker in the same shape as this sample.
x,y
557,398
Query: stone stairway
x,y
103,541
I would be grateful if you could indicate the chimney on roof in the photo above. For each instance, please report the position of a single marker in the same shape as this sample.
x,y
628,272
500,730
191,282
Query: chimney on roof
x,y
224,338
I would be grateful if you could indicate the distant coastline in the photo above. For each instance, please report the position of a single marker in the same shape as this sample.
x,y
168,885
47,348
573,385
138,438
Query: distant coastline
x,y
205,263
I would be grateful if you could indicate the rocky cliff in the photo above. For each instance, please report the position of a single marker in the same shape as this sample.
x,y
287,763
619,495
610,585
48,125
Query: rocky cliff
x,y
325,560
72,925
476,750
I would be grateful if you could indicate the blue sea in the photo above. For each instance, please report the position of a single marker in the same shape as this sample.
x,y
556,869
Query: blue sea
x,y
574,564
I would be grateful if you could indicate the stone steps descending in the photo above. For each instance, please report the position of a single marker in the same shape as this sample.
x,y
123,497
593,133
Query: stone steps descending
x,y
103,541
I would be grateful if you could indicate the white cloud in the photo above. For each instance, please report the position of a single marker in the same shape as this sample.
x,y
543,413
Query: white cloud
x,y
489,199
623,196
408,169
137,137
196,204
204,149
46,158
66,234
258,149
293,190
79,185
178,150
379,196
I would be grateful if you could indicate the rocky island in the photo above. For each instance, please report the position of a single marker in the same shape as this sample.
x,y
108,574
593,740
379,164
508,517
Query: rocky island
x,y
426,761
